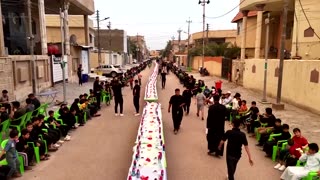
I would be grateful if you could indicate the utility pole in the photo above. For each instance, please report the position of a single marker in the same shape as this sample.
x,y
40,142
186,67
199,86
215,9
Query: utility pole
x,y
66,28
31,39
188,57
110,50
207,38
179,39
172,48
282,48
203,3
62,63
99,45
179,45
266,53
137,48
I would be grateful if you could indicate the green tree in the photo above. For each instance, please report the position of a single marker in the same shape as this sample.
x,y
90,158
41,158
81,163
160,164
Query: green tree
x,y
133,49
167,50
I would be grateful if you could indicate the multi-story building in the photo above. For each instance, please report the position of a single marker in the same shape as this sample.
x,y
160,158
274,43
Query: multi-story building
x,y
142,50
114,44
301,49
79,49
302,41
213,36
16,67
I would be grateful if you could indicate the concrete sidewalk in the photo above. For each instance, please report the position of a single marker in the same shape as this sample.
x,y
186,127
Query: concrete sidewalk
x,y
308,122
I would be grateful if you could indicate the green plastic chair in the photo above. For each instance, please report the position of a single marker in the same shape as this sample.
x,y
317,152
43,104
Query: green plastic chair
x,y
45,143
43,109
21,121
28,118
276,147
20,158
4,126
258,135
311,175
36,151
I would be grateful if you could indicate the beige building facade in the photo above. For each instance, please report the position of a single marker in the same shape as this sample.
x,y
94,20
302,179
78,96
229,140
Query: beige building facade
x,y
15,58
218,36
301,79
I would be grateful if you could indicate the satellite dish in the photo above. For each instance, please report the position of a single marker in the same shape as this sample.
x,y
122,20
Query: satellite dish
x,y
73,39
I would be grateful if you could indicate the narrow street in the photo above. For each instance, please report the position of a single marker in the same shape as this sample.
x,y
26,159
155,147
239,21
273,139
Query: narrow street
x,y
187,151
103,148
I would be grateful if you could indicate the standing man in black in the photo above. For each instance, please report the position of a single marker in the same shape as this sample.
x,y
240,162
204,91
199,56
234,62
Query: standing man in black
x,y
215,125
136,96
164,72
187,95
117,93
236,139
79,73
97,92
176,102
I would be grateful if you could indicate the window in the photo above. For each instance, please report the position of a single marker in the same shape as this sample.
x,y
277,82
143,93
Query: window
x,y
239,27
90,38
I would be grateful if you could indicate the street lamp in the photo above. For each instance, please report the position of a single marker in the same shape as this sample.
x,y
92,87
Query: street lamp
x,y
99,45
203,3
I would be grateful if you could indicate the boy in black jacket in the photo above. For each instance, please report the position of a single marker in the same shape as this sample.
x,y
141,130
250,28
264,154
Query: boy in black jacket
x,y
22,147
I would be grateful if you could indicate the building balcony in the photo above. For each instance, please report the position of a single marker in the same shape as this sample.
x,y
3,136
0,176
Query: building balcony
x,y
270,5
77,7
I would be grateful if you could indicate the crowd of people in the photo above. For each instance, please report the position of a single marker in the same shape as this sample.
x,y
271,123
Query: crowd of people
x,y
30,139
264,126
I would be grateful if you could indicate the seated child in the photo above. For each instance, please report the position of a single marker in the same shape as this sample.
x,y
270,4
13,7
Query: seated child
x,y
63,129
69,117
49,139
243,108
312,163
288,157
276,129
54,134
79,112
34,137
12,155
24,150
285,135
292,154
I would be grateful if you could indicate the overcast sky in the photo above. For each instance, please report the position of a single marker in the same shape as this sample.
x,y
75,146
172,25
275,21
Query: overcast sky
x,y
159,20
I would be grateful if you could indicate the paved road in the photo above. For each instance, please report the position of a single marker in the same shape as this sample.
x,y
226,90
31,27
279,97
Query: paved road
x,y
187,152
102,149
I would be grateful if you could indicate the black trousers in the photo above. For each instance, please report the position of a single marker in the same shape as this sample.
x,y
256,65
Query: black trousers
x,y
4,171
163,80
30,153
186,107
98,97
232,166
118,101
214,138
80,79
136,103
177,118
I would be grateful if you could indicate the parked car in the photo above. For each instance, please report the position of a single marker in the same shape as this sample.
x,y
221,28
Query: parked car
x,y
110,70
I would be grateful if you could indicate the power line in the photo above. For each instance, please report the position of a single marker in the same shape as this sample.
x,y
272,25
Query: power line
x,y
226,12
305,15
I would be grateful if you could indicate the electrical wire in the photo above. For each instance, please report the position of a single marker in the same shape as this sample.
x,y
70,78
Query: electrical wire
x,y
305,15
226,12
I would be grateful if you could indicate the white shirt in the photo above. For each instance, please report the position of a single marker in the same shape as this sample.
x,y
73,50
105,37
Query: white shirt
x,y
312,161
227,101
235,104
